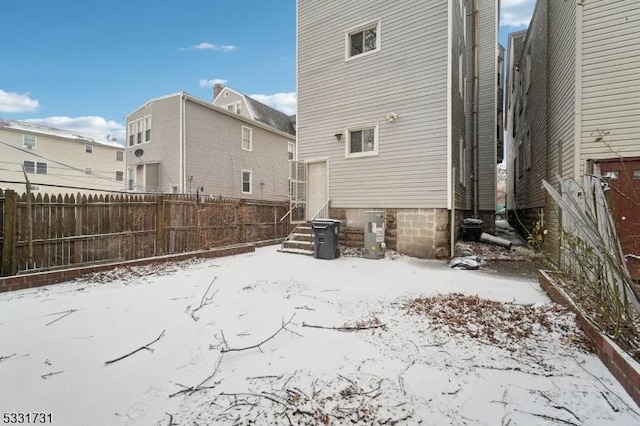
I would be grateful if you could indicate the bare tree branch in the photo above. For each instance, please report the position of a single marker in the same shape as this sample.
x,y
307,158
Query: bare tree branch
x,y
226,348
346,328
193,389
137,350
66,314
46,376
205,300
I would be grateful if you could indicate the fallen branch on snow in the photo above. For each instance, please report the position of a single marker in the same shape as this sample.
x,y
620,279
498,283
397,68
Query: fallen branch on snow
x,y
137,350
284,325
66,314
46,376
205,300
6,357
193,389
346,328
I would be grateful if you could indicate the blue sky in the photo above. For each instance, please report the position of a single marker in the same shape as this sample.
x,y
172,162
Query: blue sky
x,y
84,66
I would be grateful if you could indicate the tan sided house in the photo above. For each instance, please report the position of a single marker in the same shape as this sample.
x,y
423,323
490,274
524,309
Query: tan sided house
x,y
58,161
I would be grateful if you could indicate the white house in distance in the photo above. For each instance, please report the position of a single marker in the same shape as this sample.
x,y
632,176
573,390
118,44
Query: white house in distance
x,y
231,147
392,116
57,161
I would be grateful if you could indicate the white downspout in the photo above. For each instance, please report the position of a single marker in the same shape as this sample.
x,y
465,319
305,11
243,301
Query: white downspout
x,y
181,142
450,179
577,120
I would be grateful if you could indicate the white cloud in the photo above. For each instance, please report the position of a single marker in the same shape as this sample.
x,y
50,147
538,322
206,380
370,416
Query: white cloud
x,y
211,83
16,102
516,13
209,46
285,102
95,127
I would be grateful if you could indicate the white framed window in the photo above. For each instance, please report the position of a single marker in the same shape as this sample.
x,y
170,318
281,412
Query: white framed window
x,y
138,131
132,133
292,150
34,167
131,178
231,107
119,176
88,149
361,141
119,155
247,138
88,170
636,174
29,141
238,107
173,189
612,174
246,181
363,40
147,128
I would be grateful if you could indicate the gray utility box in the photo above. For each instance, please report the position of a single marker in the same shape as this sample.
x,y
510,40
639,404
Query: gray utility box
x,y
374,245
325,238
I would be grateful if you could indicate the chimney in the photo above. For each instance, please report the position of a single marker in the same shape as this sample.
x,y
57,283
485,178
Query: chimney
x,y
217,88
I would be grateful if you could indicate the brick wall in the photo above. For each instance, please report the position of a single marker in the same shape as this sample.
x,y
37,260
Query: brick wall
x,y
19,282
625,369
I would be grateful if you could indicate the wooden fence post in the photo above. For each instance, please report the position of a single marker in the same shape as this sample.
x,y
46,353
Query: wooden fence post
x,y
9,267
160,225
78,216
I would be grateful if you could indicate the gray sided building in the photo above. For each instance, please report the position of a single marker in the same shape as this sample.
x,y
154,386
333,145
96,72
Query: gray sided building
x,y
181,144
386,118
574,82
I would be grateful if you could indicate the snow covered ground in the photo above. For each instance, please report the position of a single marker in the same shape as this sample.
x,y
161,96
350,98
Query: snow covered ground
x,y
351,340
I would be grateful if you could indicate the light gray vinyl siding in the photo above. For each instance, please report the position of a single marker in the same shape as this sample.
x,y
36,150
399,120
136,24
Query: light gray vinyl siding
x,y
610,78
227,97
560,109
488,104
215,157
164,144
407,76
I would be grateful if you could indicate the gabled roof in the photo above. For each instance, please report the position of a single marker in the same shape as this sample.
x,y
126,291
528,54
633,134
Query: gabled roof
x,y
52,131
271,117
265,114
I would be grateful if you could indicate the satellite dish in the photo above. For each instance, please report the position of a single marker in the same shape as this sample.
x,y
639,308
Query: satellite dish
x,y
138,152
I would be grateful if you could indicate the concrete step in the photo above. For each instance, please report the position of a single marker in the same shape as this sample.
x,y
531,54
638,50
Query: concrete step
x,y
296,251
301,237
295,244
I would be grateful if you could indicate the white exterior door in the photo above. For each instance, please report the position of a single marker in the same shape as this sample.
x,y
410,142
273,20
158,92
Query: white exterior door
x,y
317,187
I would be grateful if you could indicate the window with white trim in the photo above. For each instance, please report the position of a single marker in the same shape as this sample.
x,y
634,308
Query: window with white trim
x,y
292,150
612,174
34,167
231,107
246,182
88,149
131,178
119,155
29,141
247,136
138,131
119,176
88,170
361,141
147,128
363,40
132,133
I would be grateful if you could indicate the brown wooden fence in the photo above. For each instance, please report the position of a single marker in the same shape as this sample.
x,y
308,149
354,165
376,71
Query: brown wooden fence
x,y
75,230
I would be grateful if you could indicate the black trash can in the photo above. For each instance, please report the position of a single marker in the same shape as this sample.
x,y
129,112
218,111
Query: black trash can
x,y
471,229
325,238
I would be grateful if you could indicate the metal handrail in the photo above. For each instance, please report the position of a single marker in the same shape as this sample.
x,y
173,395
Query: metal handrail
x,y
323,209
295,204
